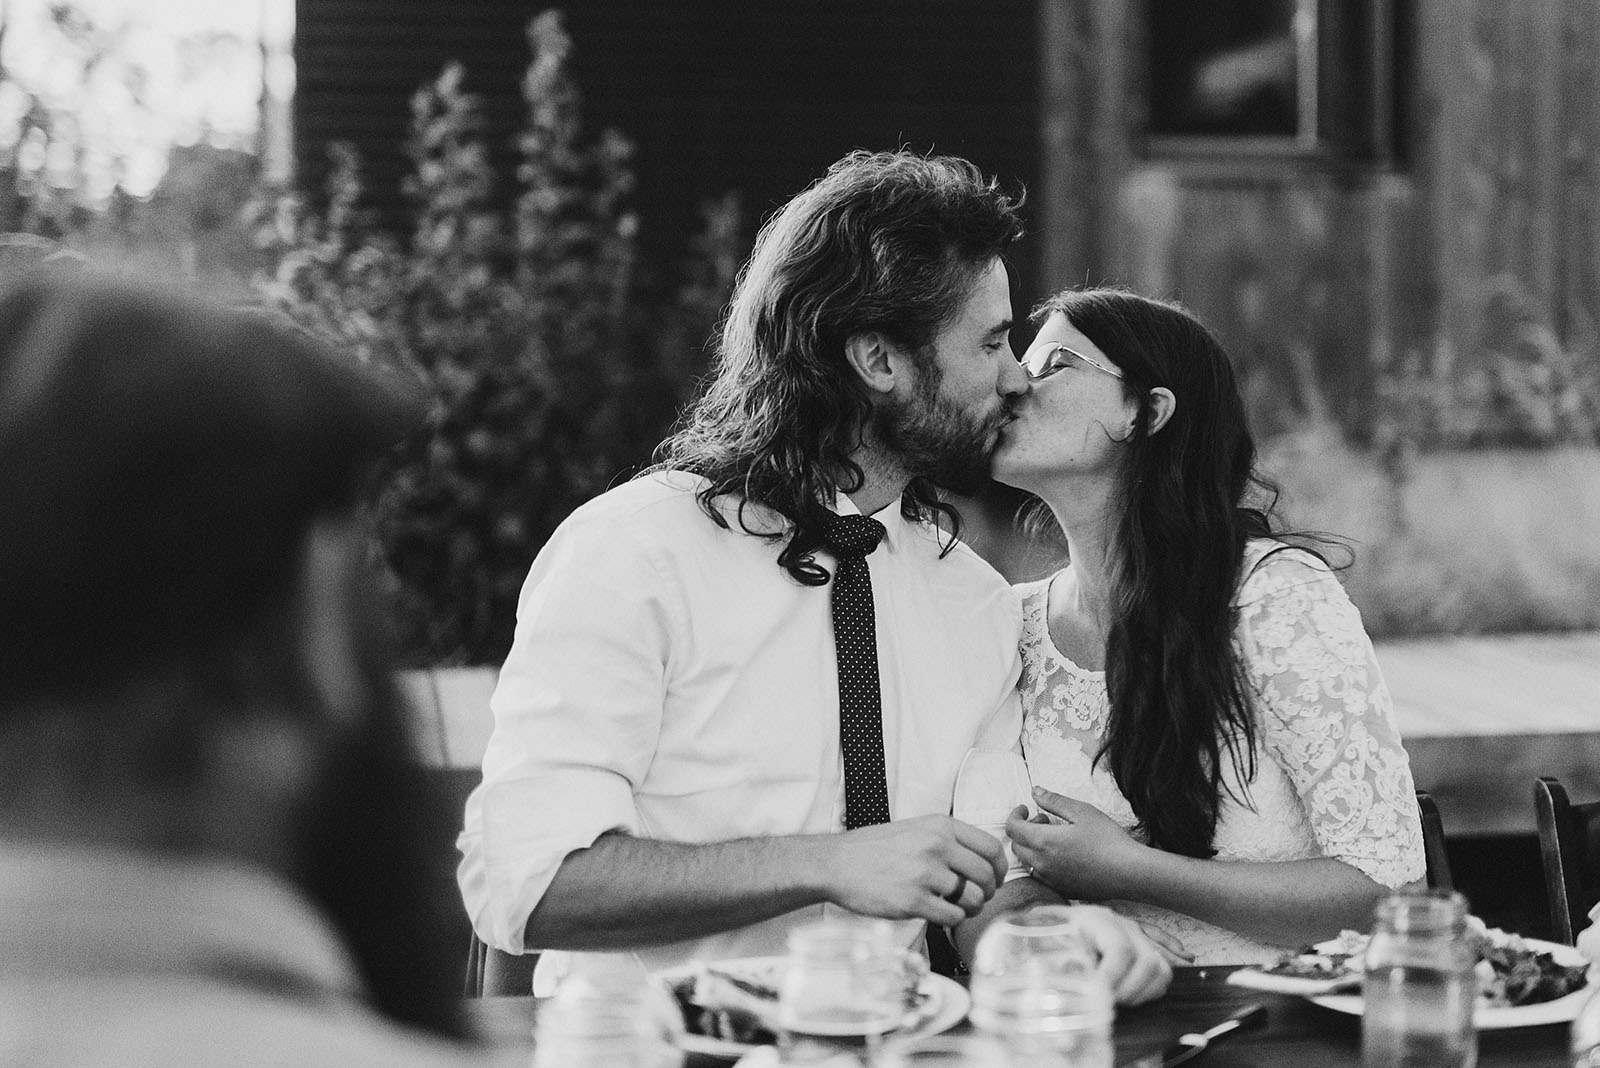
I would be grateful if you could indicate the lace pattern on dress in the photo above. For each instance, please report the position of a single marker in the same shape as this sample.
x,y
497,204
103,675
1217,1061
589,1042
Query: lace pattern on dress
x,y
1331,779
1328,718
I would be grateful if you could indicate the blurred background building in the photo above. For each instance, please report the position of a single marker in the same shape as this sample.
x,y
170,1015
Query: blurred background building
x,y
1389,210
1335,185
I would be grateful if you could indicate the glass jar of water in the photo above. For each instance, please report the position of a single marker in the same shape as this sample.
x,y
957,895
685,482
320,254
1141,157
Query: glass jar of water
x,y
609,1016
843,989
1419,985
1036,988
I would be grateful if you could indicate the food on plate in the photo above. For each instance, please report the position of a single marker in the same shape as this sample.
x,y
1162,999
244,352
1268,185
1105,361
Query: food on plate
x,y
1510,972
1339,959
719,1004
737,1001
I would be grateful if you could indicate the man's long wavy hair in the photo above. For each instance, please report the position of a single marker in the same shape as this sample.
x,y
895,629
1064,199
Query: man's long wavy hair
x,y
1189,498
890,242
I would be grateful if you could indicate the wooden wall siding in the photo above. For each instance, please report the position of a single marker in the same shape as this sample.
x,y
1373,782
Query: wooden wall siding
x,y
1315,271
1279,269
1493,78
1085,48
1578,271
717,95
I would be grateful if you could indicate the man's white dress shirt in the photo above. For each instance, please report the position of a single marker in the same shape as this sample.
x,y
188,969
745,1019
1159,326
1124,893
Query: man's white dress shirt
x,y
670,680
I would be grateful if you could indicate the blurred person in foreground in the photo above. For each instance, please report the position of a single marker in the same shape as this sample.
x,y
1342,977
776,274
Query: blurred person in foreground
x,y
666,773
1206,725
212,833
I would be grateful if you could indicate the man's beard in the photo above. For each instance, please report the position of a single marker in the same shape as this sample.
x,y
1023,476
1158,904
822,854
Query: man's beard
x,y
374,857
935,439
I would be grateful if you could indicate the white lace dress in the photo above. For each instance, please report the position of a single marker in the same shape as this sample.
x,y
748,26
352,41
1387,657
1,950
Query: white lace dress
x,y
1331,777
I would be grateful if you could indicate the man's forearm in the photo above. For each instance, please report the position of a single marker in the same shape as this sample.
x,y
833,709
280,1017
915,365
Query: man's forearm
x,y
624,891
1014,896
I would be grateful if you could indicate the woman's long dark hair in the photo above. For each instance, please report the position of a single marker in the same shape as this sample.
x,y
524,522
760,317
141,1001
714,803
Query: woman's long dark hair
x,y
1189,499
890,242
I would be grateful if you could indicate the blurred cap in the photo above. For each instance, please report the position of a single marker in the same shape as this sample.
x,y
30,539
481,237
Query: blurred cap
x,y
161,458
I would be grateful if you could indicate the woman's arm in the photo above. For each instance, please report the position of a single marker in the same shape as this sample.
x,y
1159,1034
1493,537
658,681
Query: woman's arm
x,y
1326,719
1290,902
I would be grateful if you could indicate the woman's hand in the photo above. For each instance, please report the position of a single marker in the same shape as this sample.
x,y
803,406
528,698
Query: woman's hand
x,y
1137,968
1086,856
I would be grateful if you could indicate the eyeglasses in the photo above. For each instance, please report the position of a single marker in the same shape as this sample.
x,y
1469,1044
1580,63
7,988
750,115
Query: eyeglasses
x,y
1058,357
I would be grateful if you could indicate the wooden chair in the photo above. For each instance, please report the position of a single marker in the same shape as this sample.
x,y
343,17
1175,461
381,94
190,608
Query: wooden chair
x,y
1438,861
1569,846
494,972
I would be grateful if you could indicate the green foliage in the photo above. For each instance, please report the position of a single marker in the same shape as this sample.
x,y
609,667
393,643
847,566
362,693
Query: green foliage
x,y
556,361
1522,389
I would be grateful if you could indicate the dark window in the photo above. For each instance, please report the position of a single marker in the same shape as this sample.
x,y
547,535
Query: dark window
x,y
1239,68
1296,76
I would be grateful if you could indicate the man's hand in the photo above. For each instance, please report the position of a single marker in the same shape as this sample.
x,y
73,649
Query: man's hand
x,y
932,868
1135,967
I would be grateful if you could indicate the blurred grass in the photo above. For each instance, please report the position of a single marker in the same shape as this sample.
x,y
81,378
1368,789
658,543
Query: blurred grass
x,y
1471,541
1454,542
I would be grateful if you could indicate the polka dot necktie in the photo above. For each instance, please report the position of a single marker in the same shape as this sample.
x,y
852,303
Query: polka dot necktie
x,y
866,795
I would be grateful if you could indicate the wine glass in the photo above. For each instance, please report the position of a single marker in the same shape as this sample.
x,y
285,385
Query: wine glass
x,y
1035,987
990,783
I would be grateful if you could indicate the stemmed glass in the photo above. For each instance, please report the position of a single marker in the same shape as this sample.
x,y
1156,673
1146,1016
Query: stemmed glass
x,y
990,783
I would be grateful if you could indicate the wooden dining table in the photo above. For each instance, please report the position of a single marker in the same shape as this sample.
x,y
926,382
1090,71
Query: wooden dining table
x,y
1296,1034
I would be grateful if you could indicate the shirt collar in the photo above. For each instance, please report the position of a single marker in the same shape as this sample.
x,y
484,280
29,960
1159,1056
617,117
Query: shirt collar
x,y
893,520
94,911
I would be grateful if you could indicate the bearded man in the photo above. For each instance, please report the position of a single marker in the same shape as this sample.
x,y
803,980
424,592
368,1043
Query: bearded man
x,y
743,684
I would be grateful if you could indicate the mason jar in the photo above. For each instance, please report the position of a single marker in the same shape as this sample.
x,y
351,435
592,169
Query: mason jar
x,y
609,1017
1419,984
1036,989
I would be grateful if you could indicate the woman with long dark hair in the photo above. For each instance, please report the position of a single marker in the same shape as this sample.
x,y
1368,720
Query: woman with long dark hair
x,y
1205,722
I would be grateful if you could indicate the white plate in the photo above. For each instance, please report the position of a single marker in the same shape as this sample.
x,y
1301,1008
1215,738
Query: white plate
x,y
1498,1017
947,1004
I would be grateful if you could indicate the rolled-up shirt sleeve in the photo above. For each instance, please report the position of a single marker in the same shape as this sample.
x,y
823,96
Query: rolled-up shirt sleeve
x,y
577,713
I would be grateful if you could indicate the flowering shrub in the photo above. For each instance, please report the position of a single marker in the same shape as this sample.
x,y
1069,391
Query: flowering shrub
x,y
556,362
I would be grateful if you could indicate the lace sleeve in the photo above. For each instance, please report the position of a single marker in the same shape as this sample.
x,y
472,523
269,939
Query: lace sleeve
x,y
1327,718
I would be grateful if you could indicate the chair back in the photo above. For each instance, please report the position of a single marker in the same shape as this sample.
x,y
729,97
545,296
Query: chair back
x,y
1438,861
1569,848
